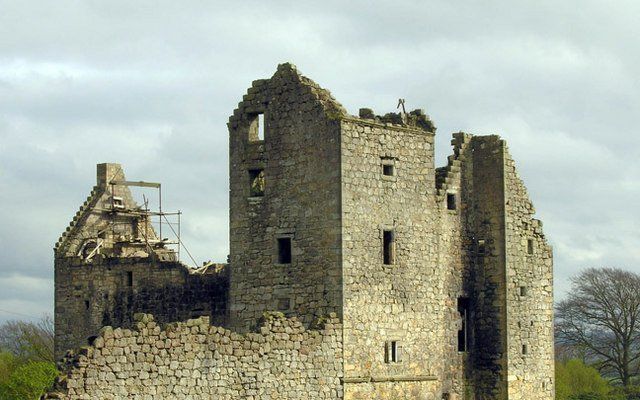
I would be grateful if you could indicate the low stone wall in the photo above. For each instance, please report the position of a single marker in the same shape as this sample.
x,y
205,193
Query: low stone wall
x,y
194,360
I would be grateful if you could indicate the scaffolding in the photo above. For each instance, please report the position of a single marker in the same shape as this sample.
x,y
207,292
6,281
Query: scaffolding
x,y
151,218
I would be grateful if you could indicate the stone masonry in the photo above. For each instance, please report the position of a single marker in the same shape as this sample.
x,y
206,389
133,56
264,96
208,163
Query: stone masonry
x,y
357,270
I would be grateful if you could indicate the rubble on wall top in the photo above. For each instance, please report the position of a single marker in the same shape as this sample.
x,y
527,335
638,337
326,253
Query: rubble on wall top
x,y
416,118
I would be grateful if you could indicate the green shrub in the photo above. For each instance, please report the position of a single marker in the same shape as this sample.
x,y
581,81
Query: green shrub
x,y
577,381
28,381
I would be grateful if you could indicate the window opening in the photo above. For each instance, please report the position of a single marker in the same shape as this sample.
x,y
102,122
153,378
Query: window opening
x,y
525,349
481,247
86,304
388,247
523,291
284,304
463,309
129,278
451,201
387,170
260,126
393,352
256,182
256,127
530,246
284,250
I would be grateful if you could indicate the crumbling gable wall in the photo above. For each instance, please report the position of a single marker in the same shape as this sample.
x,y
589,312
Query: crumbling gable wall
x,y
194,360
110,264
284,192
529,295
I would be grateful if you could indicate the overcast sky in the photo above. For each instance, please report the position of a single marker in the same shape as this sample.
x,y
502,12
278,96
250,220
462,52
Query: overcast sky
x,y
150,85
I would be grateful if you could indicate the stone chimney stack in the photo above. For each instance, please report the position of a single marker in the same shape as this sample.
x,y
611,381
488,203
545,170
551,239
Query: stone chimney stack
x,y
107,172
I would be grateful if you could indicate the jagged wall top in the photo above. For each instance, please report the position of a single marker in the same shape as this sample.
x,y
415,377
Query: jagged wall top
x,y
262,91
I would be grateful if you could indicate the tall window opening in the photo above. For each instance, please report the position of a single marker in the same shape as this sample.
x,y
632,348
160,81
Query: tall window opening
x,y
260,126
451,201
129,278
284,250
463,309
529,246
256,127
256,182
392,352
388,247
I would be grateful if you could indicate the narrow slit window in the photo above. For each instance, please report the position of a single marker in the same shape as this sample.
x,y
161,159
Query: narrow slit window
x,y
388,247
86,304
284,250
523,291
463,309
481,249
256,182
529,246
451,201
525,349
129,278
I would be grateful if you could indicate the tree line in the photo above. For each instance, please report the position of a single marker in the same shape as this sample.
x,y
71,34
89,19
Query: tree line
x,y
27,366
597,331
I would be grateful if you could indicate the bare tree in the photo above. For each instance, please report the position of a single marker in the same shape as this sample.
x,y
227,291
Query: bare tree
x,y
600,317
28,340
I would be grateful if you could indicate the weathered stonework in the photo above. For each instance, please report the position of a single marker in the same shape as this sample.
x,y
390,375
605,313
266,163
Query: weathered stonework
x,y
194,360
433,283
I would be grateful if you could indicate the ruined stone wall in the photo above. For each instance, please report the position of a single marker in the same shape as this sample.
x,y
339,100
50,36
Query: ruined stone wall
x,y
486,222
300,160
109,291
194,360
529,296
456,245
402,302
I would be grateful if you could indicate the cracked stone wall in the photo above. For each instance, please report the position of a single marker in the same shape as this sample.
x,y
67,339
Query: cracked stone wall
x,y
194,360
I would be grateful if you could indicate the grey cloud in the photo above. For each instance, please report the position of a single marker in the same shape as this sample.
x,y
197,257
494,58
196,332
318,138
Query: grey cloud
x,y
151,85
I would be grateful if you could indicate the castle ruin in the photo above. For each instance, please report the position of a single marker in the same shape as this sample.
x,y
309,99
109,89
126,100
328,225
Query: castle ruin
x,y
357,270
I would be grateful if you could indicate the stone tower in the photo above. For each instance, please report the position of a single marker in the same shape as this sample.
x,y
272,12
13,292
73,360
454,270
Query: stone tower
x,y
442,277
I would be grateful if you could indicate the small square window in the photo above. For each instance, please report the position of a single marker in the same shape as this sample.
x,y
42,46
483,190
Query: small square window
x,y
284,250
388,167
256,182
451,201
284,304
